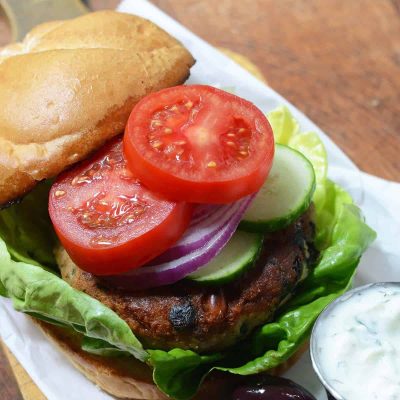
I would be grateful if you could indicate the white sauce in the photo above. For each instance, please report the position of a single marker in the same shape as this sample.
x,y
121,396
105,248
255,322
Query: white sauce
x,y
357,345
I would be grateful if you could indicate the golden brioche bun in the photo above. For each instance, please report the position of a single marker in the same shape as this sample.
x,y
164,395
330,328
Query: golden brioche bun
x,y
121,377
70,86
244,62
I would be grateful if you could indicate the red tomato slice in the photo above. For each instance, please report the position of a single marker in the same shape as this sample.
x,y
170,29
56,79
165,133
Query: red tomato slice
x,y
199,144
107,221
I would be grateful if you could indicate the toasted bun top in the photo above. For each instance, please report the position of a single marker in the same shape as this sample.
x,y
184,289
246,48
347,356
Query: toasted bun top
x,y
70,86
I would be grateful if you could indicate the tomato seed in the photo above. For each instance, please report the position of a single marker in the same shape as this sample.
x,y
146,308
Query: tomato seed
x,y
101,241
126,174
157,144
130,218
212,164
155,123
81,179
59,193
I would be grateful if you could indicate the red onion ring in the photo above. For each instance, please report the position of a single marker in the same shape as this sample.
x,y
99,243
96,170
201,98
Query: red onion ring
x,y
210,230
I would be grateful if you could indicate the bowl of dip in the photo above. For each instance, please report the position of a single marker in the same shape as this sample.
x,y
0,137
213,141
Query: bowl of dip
x,y
355,344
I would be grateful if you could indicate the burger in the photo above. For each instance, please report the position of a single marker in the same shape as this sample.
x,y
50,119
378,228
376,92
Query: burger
x,y
165,237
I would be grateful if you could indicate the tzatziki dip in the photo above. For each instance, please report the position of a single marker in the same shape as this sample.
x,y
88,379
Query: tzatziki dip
x,y
355,344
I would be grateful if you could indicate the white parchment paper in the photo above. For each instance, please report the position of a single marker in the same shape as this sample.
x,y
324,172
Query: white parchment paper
x,y
379,200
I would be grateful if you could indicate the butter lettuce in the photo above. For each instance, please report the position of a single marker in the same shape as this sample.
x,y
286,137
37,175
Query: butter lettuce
x,y
29,277
26,229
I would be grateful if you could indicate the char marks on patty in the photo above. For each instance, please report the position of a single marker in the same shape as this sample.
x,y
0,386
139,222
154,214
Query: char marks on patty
x,y
200,318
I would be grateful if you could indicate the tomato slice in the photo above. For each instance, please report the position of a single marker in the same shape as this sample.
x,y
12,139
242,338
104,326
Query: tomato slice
x,y
199,144
107,220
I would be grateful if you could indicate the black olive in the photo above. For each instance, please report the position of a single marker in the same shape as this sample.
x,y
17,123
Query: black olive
x,y
271,388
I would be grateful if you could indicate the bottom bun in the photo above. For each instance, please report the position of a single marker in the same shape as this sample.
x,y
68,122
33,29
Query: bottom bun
x,y
123,377
128,378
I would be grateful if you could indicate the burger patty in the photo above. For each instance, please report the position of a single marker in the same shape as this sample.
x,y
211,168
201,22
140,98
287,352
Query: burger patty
x,y
190,316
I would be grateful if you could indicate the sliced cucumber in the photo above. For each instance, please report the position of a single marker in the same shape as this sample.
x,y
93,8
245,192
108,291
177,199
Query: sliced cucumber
x,y
285,195
239,254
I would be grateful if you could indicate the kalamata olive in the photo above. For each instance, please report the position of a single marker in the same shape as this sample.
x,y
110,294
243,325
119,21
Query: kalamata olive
x,y
271,388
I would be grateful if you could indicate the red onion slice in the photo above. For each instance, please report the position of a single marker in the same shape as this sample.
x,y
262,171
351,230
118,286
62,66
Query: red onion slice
x,y
198,233
203,240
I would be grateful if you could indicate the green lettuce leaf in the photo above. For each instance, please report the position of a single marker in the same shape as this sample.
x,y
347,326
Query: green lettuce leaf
x,y
179,373
36,291
28,277
283,125
101,347
27,231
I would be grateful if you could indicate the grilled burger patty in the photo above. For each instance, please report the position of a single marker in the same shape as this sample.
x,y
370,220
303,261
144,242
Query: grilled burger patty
x,y
190,316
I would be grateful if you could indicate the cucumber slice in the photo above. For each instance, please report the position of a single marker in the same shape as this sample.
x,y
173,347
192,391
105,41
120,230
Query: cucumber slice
x,y
285,195
239,254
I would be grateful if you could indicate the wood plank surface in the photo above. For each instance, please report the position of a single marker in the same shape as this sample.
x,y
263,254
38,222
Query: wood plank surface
x,y
9,389
336,60
21,386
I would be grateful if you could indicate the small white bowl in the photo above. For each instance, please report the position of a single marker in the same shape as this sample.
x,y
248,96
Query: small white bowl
x,y
321,320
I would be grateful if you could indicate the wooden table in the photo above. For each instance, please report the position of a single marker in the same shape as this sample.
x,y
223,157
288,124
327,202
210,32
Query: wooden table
x,y
336,60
